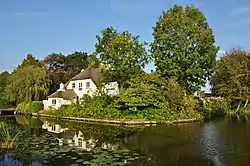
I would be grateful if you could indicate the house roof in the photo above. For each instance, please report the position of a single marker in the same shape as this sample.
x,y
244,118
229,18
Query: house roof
x,y
68,94
90,73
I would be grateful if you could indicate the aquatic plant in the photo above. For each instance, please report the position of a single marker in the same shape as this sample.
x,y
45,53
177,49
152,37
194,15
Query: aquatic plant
x,y
7,135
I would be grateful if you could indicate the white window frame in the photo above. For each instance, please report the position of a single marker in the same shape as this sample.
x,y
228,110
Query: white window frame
x,y
80,86
53,101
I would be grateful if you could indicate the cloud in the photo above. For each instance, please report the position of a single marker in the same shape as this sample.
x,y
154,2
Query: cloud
x,y
241,10
30,13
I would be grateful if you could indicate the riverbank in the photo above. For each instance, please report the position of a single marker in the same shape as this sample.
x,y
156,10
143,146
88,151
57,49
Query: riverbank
x,y
119,121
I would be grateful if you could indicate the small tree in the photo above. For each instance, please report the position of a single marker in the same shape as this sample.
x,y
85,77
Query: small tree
x,y
184,47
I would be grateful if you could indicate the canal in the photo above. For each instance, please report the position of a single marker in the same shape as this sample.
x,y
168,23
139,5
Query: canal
x,y
45,142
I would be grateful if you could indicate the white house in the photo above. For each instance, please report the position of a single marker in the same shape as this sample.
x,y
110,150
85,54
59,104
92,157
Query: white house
x,y
86,82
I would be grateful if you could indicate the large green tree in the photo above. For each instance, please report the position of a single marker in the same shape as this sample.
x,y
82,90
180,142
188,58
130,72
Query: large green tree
x,y
183,46
122,55
61,68
29,82
231,78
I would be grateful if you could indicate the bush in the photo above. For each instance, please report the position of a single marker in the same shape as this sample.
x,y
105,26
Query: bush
x,y
22,107
35,106
214,107
141,93
32,107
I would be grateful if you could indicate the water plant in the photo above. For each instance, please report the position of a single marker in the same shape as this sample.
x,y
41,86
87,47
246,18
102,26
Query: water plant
x,y
7,135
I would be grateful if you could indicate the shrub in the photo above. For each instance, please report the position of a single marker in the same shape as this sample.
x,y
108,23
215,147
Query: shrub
x,y
142,93
214,107
22,107
35,106
32,107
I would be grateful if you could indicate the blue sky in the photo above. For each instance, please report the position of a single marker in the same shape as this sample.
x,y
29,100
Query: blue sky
x,y
42,27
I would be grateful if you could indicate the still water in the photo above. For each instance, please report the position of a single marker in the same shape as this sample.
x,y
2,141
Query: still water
x,y
47,142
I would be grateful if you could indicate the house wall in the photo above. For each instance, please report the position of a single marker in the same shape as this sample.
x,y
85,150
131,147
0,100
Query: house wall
x,y
84,90
112,88
45,104
59,102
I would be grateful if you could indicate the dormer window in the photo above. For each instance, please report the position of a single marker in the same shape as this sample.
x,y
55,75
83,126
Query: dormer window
x,y
80,86
73,85
87,85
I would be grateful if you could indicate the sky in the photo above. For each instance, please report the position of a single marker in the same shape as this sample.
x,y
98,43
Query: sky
x,y
41,27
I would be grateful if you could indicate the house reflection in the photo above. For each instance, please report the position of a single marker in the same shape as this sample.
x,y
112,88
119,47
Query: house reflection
x,y
75,138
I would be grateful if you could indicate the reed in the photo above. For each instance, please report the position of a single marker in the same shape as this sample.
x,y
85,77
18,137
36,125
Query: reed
x,y
7,135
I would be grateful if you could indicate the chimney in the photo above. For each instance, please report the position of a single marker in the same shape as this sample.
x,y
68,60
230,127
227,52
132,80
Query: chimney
x,y
61,87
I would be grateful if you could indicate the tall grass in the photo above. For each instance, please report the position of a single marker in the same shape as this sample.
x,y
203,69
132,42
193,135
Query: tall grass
x,y
7,135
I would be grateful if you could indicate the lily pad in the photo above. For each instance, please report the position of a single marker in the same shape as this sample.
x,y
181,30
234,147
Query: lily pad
x,y
74,164
86,162
79,160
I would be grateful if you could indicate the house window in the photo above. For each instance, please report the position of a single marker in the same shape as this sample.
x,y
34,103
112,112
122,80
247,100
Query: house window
x,y
73,85
80,86
80,142
53,128
54,102
87,85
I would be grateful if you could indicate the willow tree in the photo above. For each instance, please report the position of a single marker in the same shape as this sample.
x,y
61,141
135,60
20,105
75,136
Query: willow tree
x,y
231,78
29,82
184,47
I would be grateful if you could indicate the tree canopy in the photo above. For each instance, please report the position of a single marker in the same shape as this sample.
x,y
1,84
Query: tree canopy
x,y
29,82
231,78
61,68
183,46
122,54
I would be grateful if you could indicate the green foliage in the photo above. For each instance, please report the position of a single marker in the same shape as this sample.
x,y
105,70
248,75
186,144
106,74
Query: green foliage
x,y
215,107
231,78
30,107
4,103
7,134
147,97
150,91
28,84
30,60
184,47
61,68
142,92
35,106
121,54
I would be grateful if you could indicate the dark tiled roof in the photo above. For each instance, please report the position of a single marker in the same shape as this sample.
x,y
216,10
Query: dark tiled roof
x,y
90,73
66,95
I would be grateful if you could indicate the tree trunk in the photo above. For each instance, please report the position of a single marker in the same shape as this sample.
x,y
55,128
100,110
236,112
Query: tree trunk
x,y
246,103
238,107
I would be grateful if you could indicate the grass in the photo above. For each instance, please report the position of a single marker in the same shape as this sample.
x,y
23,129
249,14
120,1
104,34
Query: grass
x,y
7,135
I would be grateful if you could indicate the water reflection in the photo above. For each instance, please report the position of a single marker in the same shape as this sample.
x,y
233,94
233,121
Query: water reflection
x,y
211,142
55,142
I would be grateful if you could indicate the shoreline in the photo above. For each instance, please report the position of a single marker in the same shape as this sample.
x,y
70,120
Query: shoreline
x,y
118,122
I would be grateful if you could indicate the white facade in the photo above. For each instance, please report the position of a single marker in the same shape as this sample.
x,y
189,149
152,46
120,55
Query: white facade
x,y
112,88
82,87
58,102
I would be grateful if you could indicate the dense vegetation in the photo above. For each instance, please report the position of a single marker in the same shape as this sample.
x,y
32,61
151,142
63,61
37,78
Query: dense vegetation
x,y
231,79
184,53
